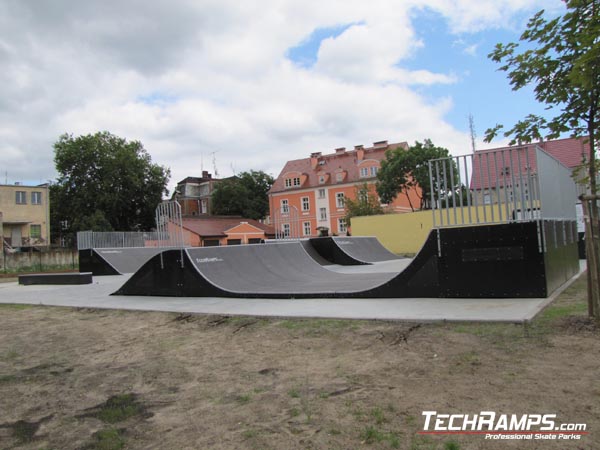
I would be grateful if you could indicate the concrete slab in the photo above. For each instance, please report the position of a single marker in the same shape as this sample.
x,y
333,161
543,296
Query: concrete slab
x,y
97,295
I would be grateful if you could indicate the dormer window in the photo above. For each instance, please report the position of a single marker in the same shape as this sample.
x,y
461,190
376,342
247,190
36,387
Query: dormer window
x,y
364,172
321,179
292,182
339,177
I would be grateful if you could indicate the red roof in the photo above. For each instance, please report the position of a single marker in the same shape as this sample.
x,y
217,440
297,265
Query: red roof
x,y
216,226
347,162
491,167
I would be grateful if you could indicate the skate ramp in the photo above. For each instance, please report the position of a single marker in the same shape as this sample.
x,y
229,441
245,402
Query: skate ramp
x,y
349,251
115,261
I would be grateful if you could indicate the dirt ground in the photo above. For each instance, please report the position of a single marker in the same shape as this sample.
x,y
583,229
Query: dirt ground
x,y
106,379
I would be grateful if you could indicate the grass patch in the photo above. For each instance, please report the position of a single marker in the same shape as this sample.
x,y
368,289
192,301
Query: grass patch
x,y
109,439
7,379
36,268
372,435
378,415
243,399
24,431
250,434
118,408
318,324
14,306
10,354
294,393
451,445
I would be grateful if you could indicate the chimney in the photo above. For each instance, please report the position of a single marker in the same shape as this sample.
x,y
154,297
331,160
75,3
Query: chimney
x,y
360,152
339,151
314,159
380,144
205,174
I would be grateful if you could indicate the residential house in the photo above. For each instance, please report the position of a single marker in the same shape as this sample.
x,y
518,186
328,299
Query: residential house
x,y
25,215
224,230
309,194
194,194
500,176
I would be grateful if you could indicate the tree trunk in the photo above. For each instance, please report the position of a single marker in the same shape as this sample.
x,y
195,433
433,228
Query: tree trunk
x,y
591,248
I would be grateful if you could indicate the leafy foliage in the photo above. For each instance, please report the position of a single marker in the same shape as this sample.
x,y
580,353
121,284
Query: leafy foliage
x,y
564,68
246,195
404,171
105,183
365,204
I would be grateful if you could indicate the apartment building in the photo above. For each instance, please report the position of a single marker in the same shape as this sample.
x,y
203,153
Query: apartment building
x,y
25,215
309,194
194,194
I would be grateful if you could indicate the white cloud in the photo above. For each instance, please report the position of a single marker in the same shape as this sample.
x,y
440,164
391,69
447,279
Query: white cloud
x,y
81,67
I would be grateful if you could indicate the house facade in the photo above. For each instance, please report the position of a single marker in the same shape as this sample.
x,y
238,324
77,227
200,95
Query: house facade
x,y
225,230
25,215
194,194
499,176
309,194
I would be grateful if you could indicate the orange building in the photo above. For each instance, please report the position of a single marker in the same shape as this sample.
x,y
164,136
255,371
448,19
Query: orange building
x,y
215,231
309,194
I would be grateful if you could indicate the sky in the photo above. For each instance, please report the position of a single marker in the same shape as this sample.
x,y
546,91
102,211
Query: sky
x,y
237,86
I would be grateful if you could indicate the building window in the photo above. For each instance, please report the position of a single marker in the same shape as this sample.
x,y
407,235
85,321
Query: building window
x,y
364,172
285,229
374,170
285,208
321,193
306,228
321,179
323,213
35,231
21,198
339,177
342,225
36,198
339,199
305,204
292,182
204,206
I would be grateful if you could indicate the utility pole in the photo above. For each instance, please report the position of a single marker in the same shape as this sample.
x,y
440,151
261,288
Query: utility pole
x,y
472,132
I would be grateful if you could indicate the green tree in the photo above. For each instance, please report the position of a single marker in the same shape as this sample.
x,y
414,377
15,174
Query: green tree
x,y
246,195
105,183
366,203
404,171
561,59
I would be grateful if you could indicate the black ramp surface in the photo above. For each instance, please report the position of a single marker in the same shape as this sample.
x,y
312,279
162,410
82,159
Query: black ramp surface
x,y
314,254
273,271
493,261
284,269
366,249
117,260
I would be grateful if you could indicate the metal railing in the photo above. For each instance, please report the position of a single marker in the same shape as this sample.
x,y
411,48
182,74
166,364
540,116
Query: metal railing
x,y
487,187
169,233
286,222
116,239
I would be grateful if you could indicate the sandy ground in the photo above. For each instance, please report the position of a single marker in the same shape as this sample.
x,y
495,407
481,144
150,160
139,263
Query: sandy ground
x,y
107,379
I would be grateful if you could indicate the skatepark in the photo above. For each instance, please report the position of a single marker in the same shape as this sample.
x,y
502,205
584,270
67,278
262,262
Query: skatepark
x,y
480,262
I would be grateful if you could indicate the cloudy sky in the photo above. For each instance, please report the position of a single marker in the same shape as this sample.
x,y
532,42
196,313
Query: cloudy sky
x,y
251,84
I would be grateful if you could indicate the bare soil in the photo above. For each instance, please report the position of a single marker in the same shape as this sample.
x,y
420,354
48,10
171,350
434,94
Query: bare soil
x,y
107,379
